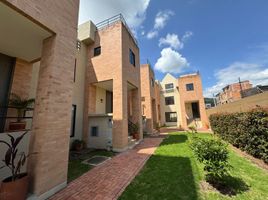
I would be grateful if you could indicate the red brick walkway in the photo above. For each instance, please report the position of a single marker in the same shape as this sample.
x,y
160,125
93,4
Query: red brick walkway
x,y
108,181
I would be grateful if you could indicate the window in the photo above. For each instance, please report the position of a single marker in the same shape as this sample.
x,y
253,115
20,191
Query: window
x,y
169,86
132,57
74,69
189,86
171,116
73,121
169,100
152,82
94,131
97,51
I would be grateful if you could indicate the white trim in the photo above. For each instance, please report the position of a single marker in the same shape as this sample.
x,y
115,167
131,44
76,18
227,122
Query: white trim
x,y
49,193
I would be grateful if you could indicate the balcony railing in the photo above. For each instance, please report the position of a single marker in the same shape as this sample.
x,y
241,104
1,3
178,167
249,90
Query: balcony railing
x,y
113,20
10,115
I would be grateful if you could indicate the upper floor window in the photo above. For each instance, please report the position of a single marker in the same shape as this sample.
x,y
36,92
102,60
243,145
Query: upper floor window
x,y
169,100
97,51
132,57
189,86
169,86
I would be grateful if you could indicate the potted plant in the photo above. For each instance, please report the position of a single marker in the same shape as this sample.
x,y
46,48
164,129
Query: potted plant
x,y
14,187
78,145
20,105
135,131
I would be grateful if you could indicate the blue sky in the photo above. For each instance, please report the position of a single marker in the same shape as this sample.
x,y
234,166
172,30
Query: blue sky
x,y
224,40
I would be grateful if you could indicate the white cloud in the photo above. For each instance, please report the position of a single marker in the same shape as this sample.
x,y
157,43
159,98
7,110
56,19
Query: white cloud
x,y
187,35
161,19
152,34
255,73
99,10
171,61
171,40
160,22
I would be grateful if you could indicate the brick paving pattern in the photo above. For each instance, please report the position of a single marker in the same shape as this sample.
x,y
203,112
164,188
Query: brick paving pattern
x,y
108,181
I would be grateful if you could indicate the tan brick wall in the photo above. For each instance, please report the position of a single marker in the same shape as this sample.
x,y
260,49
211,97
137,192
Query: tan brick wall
x,y
52,115
21,83
148,93
241,105
192,96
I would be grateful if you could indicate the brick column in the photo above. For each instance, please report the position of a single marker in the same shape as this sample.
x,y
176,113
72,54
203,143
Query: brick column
x,y
52,117
136,109
120,117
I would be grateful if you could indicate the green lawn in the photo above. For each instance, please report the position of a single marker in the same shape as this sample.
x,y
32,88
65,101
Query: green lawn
x,y
174,173
76,168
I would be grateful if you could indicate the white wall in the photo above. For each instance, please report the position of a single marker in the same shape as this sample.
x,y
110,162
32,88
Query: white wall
x,y
100,104
104,129
79,90
170,108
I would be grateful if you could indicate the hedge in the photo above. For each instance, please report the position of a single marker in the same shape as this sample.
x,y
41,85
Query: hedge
x,y
247,131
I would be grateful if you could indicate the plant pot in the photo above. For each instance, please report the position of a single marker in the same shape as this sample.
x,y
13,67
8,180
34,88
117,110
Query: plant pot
x,y
136,136
17,126
15,190
78,147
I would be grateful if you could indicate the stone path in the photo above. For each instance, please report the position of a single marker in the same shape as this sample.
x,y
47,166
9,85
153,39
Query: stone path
x,y
108,181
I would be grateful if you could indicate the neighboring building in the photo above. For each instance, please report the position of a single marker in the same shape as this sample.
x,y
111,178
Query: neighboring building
x,y
150,99
255,90
232,92
209,102
182,101
112,94
44,31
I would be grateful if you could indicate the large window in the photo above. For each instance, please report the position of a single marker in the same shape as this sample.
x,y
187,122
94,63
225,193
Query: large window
x,y
169,86
189,86
132,57
73,121
171,116
97,51
169,100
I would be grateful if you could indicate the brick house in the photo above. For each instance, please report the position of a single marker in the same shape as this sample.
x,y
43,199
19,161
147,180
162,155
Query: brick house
x,y
232,92
37,53
110,57
182,102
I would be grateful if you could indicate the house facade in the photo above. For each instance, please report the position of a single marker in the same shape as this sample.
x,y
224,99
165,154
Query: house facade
x,y
232,92
150,99
112,94
182,101
37,54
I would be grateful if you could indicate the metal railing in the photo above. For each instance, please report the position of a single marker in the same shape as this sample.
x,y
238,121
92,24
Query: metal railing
x,y
6,118
110,21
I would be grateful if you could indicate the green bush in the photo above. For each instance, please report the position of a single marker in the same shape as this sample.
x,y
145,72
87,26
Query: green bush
x,y
214,155
246,130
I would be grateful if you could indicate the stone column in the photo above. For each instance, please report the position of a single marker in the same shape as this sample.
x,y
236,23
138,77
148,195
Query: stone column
x,y
120,116
136,109
52,117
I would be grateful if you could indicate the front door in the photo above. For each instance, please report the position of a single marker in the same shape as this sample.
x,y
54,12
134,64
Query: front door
x,y
6,72
195,110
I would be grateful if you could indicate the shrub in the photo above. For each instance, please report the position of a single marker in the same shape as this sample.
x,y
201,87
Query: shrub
x,y
247,131
214,155
193,129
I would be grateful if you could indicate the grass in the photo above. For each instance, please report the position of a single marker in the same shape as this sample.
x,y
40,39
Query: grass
x,y
174,173
76,168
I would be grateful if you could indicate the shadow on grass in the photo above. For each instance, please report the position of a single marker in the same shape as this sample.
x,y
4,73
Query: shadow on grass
x,y
175,139
167,175
230,186
164,177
